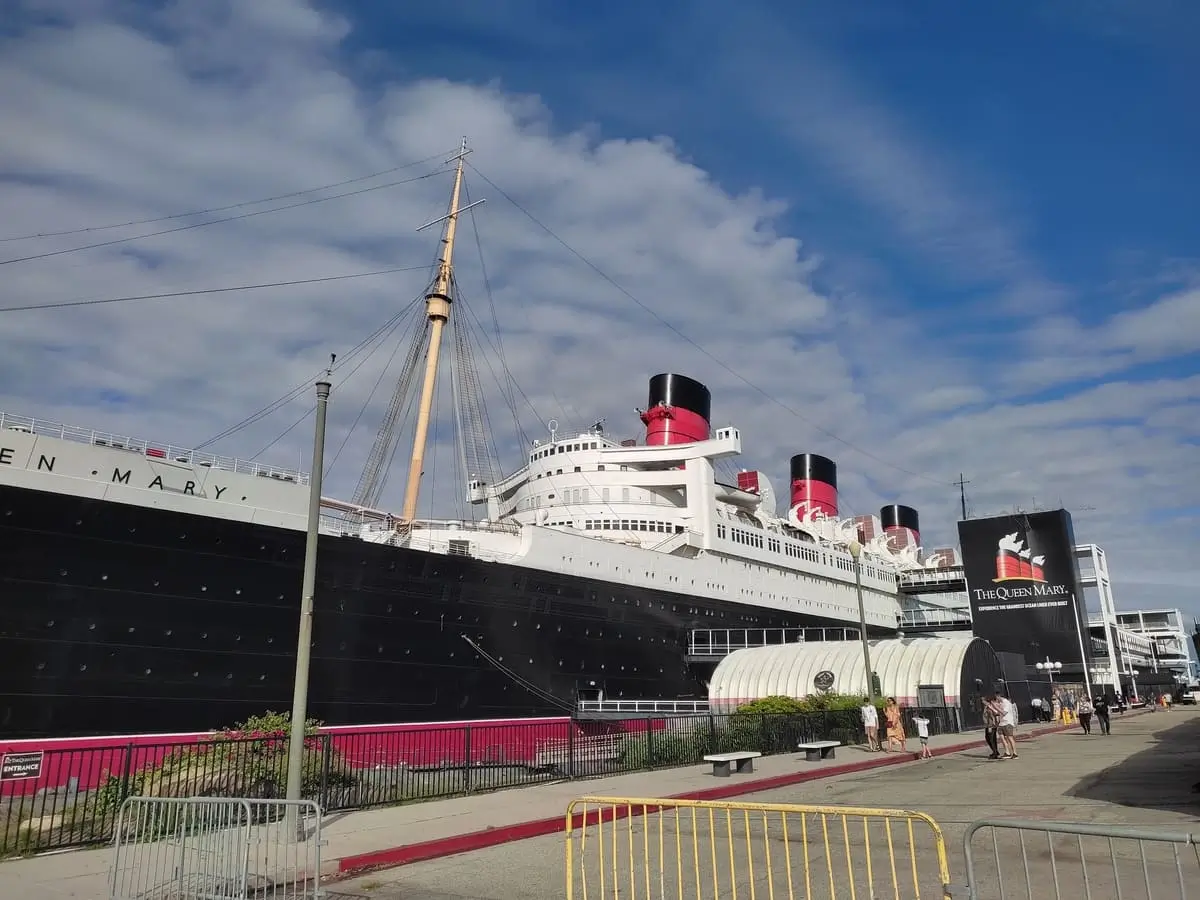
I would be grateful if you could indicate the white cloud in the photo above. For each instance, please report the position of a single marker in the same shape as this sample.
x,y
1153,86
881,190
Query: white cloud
x,y
113,119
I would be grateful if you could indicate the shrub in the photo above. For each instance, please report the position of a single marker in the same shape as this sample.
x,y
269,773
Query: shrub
x,y
249,759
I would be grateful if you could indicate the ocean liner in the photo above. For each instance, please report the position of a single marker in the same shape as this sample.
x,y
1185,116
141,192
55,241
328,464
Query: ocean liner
x,y
146,587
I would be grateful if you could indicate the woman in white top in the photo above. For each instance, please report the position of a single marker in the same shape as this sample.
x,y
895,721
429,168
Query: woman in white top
x,y
870,719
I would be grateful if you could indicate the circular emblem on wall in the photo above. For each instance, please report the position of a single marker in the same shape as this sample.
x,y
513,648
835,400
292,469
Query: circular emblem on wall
x,y
823,680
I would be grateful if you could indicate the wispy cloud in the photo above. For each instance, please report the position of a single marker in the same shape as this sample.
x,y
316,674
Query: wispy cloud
x,y
941,210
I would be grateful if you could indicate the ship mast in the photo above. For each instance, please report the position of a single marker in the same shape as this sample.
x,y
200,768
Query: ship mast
x,y
437,310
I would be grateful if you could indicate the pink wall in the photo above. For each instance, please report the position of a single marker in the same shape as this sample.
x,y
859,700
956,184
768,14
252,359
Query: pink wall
x,y
92,759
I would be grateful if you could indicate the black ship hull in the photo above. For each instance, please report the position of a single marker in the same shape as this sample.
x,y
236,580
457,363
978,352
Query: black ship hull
x,y
118,619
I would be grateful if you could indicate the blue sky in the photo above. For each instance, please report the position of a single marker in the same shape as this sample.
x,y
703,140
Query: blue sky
x,y
1064,126
941,238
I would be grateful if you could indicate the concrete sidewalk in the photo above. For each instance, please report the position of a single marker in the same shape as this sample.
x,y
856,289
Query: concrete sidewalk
x,y
1141,775
359,841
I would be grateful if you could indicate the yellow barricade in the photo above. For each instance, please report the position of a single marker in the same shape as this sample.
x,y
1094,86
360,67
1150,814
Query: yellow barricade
x,y
635,848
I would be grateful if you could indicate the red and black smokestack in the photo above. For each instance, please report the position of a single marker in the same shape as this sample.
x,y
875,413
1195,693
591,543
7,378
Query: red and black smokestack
x,y
901,524
814,484
677,412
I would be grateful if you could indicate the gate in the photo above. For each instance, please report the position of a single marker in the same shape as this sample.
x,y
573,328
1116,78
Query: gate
x,y
213,848
640,848
1034,860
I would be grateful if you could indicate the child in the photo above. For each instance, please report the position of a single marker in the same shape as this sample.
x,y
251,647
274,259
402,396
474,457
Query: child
x,y
922,724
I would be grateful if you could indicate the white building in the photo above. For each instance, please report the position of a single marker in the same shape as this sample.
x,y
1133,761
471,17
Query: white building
x,y
1165,628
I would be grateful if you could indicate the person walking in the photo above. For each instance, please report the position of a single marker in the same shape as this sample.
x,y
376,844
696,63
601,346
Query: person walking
x,y
1008,728
1100,704
1084,709
922,724
895,725
870,720
991,724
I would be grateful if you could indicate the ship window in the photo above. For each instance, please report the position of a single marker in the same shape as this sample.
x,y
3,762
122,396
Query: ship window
x,y
578,469
600,468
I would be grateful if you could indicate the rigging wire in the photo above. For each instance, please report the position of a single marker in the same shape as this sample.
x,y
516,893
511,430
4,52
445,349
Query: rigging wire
x,y
509,399
217,209
295,392
312,409
202,291
260,212
397,322
743,379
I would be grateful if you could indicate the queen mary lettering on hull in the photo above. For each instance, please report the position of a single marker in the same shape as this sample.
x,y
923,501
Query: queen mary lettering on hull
x,y
151,588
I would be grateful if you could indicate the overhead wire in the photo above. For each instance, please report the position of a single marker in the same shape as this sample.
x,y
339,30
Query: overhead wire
x,y
167,295
216,209
736,374
261,212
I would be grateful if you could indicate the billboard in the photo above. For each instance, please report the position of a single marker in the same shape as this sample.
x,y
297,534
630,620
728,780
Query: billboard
x,y
1023,581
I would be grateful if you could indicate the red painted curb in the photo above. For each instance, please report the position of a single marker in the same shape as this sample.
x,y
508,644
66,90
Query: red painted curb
x,y
504,834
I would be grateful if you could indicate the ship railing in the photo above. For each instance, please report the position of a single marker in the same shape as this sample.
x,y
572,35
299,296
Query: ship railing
x,y
456,548
723,641
666,707
916,617
151,449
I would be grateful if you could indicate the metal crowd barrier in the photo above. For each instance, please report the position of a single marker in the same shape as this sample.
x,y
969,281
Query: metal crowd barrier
x,y
644,848
1034,860
216,848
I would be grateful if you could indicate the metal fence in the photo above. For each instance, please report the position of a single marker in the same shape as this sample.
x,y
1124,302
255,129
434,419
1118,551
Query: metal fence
x,y
639,848
71,798
217,849
1032,860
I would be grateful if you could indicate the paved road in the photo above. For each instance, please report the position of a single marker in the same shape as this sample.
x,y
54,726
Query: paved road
x,y
1140,775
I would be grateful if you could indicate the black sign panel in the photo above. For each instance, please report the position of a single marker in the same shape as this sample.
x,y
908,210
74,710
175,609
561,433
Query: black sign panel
x,y
16,766
1023,581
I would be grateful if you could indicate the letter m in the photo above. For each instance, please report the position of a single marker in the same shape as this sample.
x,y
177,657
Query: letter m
x,y
121,477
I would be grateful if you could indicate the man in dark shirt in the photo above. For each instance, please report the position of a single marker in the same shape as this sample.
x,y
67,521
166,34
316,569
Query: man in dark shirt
x,y
1102,712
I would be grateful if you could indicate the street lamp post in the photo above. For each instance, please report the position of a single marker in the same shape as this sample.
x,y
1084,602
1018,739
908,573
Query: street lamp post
x,y
295,770
1049,668
856,552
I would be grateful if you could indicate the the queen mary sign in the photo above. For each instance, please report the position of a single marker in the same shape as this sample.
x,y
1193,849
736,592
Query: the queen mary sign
x,y
1024,585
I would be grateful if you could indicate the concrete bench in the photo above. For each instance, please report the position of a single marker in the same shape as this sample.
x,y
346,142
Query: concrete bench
x,y
743,760
818,750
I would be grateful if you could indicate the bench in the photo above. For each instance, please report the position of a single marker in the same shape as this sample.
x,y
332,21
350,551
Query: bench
x,y
815,751
567,754
743,760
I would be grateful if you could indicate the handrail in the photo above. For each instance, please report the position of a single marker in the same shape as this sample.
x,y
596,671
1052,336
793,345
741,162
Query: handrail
x,y
151,449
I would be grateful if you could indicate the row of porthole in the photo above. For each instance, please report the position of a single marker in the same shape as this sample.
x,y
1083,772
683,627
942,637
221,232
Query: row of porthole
x,y
168,632
229,676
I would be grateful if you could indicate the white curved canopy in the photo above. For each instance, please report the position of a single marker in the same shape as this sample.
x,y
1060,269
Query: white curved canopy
x,y
790,669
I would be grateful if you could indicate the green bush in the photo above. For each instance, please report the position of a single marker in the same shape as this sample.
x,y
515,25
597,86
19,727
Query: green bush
x,y
248,760
662,749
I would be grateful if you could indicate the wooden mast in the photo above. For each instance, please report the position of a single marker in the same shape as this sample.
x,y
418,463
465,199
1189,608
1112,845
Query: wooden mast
x,y
437,309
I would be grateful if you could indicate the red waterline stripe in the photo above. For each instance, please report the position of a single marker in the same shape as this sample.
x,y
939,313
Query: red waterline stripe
x,y
504,834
